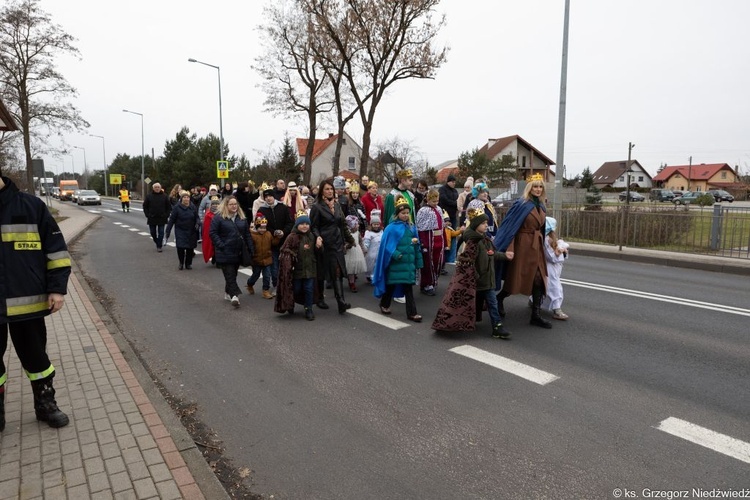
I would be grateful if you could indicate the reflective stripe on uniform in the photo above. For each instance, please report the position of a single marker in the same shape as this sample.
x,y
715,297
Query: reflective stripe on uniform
x,y
17,306
41,375
58,259
20,232
3,378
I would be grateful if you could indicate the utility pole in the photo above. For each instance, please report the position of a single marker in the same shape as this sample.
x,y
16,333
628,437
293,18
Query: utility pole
x,y
690,171
626,207
559,159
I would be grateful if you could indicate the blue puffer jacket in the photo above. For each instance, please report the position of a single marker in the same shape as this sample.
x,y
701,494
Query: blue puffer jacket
x,y
227,236
184,219
405,261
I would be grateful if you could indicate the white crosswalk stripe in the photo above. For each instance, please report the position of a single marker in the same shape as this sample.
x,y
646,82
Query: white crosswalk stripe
x,y
524,371
378,318
707,438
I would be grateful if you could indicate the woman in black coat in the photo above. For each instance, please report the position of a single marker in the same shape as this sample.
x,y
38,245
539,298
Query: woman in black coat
x,y
229,231
329,227
184,218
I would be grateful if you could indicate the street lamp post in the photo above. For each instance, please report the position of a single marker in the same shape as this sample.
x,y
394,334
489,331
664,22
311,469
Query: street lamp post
x,y
626,208
73,161
104,156
221,122
143,156
84,162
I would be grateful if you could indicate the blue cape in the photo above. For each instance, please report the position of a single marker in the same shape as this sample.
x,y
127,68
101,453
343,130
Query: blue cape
x,y
392,234
508,228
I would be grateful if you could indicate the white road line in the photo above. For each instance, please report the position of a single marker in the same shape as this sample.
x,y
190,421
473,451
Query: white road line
x,y
117,223
123,225
93,211
524,371
661,298
144,234
171,244
108,210
378,318
707,438
133,229
246,270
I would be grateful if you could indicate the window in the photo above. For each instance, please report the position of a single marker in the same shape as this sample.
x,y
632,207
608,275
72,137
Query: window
x,y
640,178
622,178
523,162
351,163
724,175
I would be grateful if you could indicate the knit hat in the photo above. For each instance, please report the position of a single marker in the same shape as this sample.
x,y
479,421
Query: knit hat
x,y
339,182
352,222
469,182
476,217
212,187
450,178
375,217
480,187
302,218
550,225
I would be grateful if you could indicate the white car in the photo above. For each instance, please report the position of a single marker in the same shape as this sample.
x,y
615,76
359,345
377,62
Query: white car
x,y
88,197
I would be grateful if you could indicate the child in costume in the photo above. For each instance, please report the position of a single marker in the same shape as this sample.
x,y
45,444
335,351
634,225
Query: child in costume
x,y
297,269
473,285
555,253
264,242
354,258
371,243
399,257
207,246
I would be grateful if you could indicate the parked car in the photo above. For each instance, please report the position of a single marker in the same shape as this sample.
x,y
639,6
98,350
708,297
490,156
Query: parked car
x,y
504,199
661,195
677,192
88,197
687,197
634,196
720,195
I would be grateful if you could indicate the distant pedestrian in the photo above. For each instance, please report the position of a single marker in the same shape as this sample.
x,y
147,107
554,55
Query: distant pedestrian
x,y
184,219
298,269
449,203
555,252
399,258
227,190
34,271
174,194
431,230
229,231
371,200
213,193
207,246
125,199
156,208
371,243
280,224
354,258
462,200
294,200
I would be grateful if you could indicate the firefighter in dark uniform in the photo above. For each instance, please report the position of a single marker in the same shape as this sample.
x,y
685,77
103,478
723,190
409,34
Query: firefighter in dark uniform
x,y
34,271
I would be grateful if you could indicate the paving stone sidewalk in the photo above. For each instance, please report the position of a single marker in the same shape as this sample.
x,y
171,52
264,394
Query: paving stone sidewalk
x,y
117,445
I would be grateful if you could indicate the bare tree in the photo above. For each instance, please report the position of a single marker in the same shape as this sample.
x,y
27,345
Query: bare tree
x,y
395,154
37,94
294,80
384,41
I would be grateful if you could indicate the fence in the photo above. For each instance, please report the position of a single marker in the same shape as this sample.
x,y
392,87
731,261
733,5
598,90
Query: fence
x,y
722,231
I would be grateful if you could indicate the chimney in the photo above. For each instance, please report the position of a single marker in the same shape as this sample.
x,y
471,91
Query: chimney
x,y
330,134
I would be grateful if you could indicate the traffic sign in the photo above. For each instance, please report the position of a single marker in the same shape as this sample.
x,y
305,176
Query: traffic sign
x,y
115,179
222,169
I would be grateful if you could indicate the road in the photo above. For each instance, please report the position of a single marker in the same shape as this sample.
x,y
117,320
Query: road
x,y
644,388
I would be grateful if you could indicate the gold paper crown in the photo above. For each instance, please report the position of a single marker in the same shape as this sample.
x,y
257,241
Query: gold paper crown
x,y
404,173
474,212
260,220
535,177
300,213
354,188
432,195
401,203
263,187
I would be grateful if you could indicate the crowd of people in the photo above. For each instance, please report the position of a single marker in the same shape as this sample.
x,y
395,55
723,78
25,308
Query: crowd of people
x,y
342,236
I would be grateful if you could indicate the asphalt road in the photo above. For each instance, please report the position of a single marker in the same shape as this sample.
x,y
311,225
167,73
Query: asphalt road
x,y
652,360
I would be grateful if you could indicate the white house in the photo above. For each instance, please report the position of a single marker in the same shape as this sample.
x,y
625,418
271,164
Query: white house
x,y
322,158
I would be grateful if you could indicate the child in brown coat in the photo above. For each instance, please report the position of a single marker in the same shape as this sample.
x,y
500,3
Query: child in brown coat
x,y
263,241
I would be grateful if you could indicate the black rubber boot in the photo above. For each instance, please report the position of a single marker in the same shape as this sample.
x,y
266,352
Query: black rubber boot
x,y
500,306
536,317
2,408
45,405
338,290
321,297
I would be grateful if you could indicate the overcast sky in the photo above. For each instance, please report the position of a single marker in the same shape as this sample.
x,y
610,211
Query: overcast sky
x,y
671,76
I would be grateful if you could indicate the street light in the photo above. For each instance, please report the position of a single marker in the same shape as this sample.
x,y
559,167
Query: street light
x,y
85,164
143,155
221,122
627,195
104,155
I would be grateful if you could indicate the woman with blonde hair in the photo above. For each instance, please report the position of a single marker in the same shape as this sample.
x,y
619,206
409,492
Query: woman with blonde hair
x,y
294,200
229,231
522,232
174,194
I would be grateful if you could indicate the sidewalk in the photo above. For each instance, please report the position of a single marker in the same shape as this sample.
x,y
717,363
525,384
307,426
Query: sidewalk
x,y
123,440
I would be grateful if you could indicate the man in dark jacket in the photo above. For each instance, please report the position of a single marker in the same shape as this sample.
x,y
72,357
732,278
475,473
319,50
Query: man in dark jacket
x,y
156,208
449,202
34,271
280,224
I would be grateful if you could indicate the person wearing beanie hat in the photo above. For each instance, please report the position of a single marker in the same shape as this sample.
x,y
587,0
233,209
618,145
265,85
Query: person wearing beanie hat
x,y
280,224
482,200
264,242
399,257
298,269
431,228
463,199
449,203
473,282
354,257
206,201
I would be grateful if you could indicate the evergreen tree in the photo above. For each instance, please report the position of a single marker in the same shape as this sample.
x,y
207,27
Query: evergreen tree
x,y
288,164
587,179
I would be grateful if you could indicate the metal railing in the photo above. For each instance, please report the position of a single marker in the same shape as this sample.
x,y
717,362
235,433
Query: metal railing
x,y
720,231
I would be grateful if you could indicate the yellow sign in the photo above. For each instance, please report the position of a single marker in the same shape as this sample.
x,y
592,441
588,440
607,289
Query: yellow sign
x,y
27,245
222,169
115,178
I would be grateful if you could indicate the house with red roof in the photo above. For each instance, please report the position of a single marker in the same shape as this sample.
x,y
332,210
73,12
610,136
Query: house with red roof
x,y
528,158
615,174
697,177
322,157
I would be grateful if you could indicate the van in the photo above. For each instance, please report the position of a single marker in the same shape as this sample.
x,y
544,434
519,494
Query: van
x,y
66,189
661,195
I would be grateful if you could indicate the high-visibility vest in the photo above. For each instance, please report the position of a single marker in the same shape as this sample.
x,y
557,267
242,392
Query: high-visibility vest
x,y
124,195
